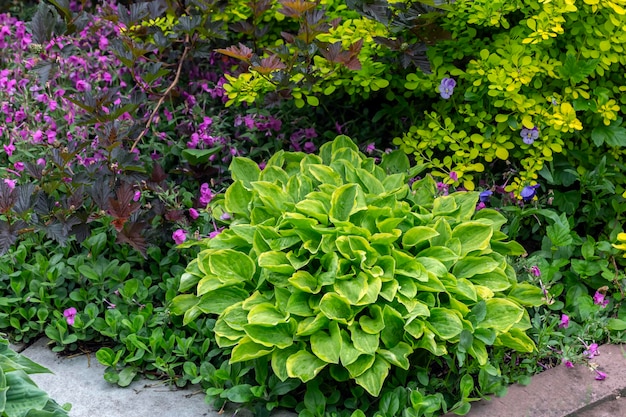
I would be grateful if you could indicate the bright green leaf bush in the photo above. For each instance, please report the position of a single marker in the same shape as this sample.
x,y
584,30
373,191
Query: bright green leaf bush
x,y
557,66
333,267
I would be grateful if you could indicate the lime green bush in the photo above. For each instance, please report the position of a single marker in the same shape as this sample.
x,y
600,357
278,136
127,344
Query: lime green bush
x,y
557,66
334,268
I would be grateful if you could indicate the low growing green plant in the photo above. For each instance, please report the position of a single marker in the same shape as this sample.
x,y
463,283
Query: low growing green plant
x,y
333,269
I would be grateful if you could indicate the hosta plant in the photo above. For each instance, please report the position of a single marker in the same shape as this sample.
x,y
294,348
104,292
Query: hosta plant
x,y
333,267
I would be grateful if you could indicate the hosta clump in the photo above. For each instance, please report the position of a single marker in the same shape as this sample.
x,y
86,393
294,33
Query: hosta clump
x,y
333,266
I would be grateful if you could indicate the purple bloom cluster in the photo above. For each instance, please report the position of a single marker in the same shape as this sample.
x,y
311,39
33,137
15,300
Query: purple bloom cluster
x,y
446,88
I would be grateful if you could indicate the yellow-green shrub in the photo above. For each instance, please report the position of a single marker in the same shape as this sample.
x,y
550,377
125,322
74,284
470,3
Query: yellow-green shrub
x,y
555,65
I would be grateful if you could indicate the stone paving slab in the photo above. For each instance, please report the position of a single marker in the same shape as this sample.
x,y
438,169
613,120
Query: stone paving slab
x,y
79,381
564,392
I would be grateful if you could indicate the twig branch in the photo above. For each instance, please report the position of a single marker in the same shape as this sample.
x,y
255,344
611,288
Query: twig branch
x,y
164,95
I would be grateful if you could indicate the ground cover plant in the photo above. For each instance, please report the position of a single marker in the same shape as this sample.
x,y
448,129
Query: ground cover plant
x,y
131,127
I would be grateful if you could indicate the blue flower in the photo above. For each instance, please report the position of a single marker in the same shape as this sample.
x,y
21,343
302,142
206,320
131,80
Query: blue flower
x,y
485,196
446,88
528,192
529,135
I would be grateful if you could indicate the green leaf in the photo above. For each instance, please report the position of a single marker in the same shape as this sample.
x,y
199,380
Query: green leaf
x,y
267,314
239,394
304,365
228,264
199,156
417,235
474,265
345,201
445,323
273,196
275,261
327,346
575,70
237,199
473,236
216,301
397,355
363,342
516,339
526,294
372,379
247,350
244,170
280,335
501,314
336,307
395,162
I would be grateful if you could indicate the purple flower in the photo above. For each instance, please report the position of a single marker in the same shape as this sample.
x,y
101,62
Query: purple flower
x,y
179,236
206,195
10,183
370,148
454,176
569,364
309,147
484,196
529,135
216,232
564,321
528,192
70,315
225,216
446,88
592,351
193,213
535,270
598,299
137,195
600,376
480,206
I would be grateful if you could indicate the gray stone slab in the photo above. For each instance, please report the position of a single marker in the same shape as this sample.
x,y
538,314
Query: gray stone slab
x,y
79,381
564,392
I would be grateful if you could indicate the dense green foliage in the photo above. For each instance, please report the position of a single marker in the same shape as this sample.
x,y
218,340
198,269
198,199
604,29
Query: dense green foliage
x,y
131,126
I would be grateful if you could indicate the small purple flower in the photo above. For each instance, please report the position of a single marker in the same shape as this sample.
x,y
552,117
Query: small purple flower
x,y
70,315
216,232
137,195
480,206
484,196
535,271
564,321
592,351
446,88
598,299
206,195
370,148
193,213
225,216
600,376
10,183
454,176
529,135
569,364
179,236
309,147
528,192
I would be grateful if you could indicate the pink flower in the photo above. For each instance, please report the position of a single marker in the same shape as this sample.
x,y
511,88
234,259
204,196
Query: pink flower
x,y
564,321
569,364
598,299
137,195
454,176
206,195
480,206
193,213
225,216
70,315
10,183
370,148
19,166
179,236
592,351
600,376
535,270
41,161
9,149
216,232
